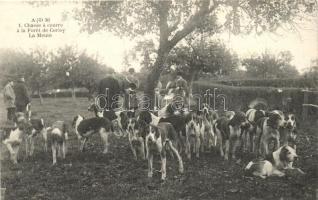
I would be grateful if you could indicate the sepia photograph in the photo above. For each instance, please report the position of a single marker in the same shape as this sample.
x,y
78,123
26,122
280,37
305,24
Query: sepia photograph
x,y
159,99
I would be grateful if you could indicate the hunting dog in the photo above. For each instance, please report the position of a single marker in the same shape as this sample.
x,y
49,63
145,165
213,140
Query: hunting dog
x,y
249,134
58,136
178,122
289,131
84,128
22,130
159,139
208,119
274,163
33,127
229,130
194,135
268,130
137,131
12,137
118,119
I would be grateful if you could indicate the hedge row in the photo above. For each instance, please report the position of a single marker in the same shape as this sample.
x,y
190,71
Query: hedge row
x,y
238,98
298,83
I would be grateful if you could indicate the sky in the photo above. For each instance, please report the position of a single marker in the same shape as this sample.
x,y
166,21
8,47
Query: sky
x,y
110,49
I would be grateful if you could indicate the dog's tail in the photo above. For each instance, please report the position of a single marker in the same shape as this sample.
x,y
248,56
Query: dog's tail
x,y
249,169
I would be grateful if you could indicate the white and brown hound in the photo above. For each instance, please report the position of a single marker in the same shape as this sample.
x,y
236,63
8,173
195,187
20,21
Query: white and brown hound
x,y
229,131
209,118
118,119
137,131
84,128
193,135
249,133
33,127
12,138
274,164
289,131
159,139
268,130
58,136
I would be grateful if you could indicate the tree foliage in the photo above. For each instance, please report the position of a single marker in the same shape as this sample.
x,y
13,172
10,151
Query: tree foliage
x,y
203,56
47,70
270,66
171,21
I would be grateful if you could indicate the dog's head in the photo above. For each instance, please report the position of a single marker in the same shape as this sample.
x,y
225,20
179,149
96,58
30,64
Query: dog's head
x,y
20,118
275,120
22,122
142,128
153,134
280,119
76,120
94,108
145,116
290,121
132,125
239,119
287,154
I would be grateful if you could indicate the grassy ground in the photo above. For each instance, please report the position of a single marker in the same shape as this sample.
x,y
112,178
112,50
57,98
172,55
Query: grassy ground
x,y
92,175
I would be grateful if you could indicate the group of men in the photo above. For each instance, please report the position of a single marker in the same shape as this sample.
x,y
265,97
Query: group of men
x,y
176,86
16,97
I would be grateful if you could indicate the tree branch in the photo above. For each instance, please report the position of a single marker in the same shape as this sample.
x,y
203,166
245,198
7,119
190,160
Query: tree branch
x,y
193,22
163,11
175,25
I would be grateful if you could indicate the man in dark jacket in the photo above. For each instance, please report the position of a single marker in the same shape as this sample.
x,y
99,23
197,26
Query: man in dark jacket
x,y
22,98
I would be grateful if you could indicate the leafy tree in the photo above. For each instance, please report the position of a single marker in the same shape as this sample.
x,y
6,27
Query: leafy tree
x,y
312,72
39,75
270,66
70,69
171,21
203,56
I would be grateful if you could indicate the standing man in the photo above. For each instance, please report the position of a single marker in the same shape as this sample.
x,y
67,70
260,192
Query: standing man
x,y
22,97
131,102
9,100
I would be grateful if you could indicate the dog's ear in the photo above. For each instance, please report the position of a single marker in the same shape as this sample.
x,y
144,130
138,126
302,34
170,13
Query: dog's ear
x,y
237,119
170,109
296,121
157,133
145,116
65,128
258,114
283,154
273,120
123,120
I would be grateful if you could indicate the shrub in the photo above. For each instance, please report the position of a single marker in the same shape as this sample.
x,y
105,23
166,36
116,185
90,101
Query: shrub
x,y
238,98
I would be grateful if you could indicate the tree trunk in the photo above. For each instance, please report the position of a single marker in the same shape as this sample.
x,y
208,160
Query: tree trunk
x,y
73,94
193,77
153,77
40,96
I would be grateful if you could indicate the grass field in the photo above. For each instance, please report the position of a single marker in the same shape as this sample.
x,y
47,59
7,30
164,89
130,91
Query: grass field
x,y
92,175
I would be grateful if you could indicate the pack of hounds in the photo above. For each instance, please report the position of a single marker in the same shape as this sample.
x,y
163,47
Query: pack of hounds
x,y
180,134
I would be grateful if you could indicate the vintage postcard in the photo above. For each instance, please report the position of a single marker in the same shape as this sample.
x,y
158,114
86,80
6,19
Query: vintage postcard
x,y
159,99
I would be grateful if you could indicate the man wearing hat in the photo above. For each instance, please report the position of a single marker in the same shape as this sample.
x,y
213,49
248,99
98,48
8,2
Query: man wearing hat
x,y
131,102
21,93
9,100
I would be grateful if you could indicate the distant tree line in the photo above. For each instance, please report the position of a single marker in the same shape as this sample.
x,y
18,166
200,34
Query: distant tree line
x,y
42,70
